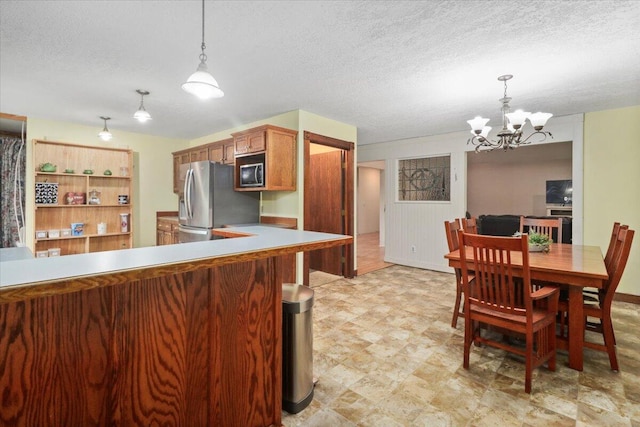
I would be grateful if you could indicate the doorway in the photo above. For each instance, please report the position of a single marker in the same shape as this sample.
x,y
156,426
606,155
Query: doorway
x,y
371,216
328,201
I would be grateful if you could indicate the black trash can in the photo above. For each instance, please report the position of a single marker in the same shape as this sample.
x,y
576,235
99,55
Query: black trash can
x,y
297,347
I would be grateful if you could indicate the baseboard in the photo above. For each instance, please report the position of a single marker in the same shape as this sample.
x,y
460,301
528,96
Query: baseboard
x,y
633,299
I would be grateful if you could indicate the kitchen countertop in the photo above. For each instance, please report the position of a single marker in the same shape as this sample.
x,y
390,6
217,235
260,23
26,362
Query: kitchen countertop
x,y
260,241
14,254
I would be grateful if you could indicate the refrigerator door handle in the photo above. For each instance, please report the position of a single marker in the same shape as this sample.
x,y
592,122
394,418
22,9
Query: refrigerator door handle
x,y
188,182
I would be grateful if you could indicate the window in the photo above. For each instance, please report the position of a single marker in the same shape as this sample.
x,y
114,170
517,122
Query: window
x,y
424,179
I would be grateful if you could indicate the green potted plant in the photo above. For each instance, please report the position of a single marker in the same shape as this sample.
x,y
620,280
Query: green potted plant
x,y
539,242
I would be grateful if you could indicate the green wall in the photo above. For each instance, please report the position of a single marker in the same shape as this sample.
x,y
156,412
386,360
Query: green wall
x,y
612,182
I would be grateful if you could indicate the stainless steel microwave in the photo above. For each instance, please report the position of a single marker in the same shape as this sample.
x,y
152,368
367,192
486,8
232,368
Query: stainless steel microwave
x,y
252,175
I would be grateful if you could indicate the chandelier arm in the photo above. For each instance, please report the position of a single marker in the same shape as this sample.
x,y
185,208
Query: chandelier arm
x,y
479,141
540,132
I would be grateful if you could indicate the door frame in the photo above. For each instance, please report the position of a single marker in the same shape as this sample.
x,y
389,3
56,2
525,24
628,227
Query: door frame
x,y
348,225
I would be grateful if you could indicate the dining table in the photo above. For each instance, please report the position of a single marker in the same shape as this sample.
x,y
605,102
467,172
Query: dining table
x,y
573,267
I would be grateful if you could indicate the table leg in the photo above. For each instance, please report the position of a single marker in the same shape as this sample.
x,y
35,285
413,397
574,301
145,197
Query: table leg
x,y
576,328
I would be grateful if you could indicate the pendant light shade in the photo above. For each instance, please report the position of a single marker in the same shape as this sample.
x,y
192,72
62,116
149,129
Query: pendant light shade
x,y
104,134
142,115
201,83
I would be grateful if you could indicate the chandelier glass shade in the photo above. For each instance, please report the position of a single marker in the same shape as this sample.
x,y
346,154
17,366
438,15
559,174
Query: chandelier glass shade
x,y
511,135
142,115
104,134
201,83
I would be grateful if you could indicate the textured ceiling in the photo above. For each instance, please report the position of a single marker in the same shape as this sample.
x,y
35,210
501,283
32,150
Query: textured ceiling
x,y
393,69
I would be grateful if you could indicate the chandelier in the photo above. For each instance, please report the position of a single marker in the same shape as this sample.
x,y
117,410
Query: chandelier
x,y
510,136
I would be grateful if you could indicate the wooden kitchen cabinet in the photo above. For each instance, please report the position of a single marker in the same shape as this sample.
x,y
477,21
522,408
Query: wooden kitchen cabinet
x,y
199,153
222,152
179,158
219,151
250,141
68,198
273,146
166,229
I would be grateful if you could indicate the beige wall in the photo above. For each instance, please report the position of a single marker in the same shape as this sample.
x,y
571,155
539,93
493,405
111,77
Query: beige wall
x,y
368,200
153,171
514,188
612,182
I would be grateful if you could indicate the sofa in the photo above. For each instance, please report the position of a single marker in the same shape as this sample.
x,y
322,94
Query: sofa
x,y
507,225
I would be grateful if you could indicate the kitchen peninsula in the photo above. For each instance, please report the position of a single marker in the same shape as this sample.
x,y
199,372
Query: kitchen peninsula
x,y
185,334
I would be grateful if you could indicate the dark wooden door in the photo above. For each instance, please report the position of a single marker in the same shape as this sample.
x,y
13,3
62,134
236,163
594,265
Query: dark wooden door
x,y
326,207
328,201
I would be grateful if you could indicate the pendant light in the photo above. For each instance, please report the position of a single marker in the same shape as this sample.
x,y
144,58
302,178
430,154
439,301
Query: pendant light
x,y
142,115
104,134
201,83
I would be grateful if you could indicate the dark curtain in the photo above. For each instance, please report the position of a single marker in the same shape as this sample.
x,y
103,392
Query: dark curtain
x,y
12,172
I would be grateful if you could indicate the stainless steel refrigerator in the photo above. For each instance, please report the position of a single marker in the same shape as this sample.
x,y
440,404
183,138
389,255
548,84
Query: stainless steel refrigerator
x,y
207,200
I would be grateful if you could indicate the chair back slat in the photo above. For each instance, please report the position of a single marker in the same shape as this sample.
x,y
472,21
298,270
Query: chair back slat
x,y
451,229
614,244
496,285
543,226
618,263
469,225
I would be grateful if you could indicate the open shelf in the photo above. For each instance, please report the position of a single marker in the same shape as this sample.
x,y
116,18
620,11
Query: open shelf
x,y
68,190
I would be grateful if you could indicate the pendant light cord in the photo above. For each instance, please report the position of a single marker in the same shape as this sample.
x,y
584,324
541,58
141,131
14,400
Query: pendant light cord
x,y
203,57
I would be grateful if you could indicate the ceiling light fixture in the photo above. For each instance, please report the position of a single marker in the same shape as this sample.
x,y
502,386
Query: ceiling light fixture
x,y
142,115
104,134
511,134
201,83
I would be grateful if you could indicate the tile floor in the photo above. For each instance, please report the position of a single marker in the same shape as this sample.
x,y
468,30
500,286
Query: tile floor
x,y
386,355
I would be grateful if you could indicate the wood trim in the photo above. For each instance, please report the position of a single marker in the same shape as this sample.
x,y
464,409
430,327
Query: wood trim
x,y
229,234
291,223
327,140
160,214
13,117
10,134
633,299
92,147
262,128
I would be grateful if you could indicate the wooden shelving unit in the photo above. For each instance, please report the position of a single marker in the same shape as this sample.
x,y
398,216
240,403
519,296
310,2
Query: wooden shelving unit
x,y
60,215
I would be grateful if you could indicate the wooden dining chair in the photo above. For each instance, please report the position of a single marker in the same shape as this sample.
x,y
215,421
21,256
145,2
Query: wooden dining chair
x,y
593,294
506,302
469,225
542,226
451,229
598,313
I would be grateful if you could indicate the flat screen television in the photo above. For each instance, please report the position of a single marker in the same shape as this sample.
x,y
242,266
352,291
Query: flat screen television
x,y
559,192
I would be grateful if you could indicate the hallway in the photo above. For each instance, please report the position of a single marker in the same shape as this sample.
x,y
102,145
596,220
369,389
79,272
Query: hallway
x,y
370,256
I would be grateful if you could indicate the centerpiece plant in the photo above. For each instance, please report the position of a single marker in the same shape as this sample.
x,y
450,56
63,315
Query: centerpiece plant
x,y
539,242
